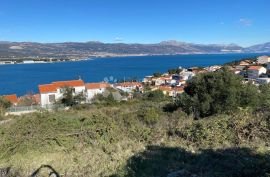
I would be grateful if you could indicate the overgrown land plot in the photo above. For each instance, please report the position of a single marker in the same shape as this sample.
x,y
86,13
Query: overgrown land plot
x,y
218,127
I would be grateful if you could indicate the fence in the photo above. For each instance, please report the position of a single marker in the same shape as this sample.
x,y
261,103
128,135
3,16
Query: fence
x,y
34,108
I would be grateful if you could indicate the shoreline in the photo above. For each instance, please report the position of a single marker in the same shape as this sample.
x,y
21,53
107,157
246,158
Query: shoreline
x,y
45,61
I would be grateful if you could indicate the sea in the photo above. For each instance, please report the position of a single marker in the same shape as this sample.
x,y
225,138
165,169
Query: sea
x,y
22,79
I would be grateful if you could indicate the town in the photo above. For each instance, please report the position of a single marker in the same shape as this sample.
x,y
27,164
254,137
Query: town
x,y
171,84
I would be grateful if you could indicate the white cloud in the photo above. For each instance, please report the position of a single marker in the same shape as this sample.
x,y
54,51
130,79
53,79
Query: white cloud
x,y
245,21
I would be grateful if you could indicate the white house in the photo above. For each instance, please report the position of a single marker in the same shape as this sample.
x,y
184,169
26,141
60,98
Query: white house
x,y
28,62
94,89
163,80
255,72
147,79
263,59
129,86
213,68
171,91
186,75
50,93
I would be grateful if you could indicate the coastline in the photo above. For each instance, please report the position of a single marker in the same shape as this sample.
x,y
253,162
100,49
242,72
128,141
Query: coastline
x,y
104,56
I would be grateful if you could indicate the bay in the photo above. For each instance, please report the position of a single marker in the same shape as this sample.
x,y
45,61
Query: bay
x,y
21,79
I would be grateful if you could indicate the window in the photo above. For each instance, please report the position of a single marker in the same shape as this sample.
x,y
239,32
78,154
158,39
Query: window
x,y
51,98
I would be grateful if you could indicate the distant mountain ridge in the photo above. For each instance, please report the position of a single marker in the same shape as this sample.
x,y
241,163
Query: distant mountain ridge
x,y
9,50
260,47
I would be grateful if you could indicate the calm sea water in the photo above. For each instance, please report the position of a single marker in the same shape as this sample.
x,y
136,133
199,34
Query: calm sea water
x,y
24,78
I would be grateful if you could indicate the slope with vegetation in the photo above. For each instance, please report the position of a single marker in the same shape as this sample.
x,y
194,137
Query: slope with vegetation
x,y
149,136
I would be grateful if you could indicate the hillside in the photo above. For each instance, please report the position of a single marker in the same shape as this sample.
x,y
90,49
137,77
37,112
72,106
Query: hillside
x,y
136,139
219,126
68,50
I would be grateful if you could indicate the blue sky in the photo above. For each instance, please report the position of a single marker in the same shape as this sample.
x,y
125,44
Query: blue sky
x,y
245,22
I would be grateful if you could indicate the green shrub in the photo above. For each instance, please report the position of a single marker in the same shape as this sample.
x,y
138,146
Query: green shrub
x,y
156,95
71,99
219,92
149,115
4,103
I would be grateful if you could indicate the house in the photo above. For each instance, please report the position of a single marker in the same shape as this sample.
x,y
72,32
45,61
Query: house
x,y
148,80
11,98
240,67
171,91
28,61
50,93
167,90
213,68
187,75
178,90
263,59
255,72
163,80
129,86
245,63
94,89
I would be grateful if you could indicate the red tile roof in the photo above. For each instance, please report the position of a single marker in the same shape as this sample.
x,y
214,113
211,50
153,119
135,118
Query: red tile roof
x,y
73,83
179,89
12,98
47,88
165,88
97,85
165,78
168,88
255,67
130,84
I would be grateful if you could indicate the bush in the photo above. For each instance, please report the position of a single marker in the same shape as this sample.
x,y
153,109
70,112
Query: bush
x,y
4,103
220,92
71,99
156,95
157,74
175,71
149,115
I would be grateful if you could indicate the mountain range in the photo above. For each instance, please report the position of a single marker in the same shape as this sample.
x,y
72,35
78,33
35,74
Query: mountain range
x,y
16,50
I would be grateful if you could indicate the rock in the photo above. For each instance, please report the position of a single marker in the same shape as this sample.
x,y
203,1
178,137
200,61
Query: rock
x,y
4,172
8,172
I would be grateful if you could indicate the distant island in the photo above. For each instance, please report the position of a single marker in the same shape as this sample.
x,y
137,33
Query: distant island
x,y
19,52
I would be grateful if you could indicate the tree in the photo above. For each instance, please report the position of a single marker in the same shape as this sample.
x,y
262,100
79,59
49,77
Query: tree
x,y
175,71
70,98
156,95
157,74
264,97
4,103
218,92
